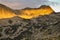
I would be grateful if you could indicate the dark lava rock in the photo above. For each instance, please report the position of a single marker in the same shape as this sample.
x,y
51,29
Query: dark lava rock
x,y
42,28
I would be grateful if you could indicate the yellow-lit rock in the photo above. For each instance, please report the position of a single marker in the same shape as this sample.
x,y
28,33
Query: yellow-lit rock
x,y
6,12
29,13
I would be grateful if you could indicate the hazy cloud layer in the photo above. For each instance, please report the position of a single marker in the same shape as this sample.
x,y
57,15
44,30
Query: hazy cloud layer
x,y
22,3
19,4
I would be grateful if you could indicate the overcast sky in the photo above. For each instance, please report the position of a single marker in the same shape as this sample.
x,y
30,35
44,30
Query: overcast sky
x,y
19,4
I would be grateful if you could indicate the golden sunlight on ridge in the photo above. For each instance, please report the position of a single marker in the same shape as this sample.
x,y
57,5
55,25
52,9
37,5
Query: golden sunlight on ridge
x,y
29,13
6,12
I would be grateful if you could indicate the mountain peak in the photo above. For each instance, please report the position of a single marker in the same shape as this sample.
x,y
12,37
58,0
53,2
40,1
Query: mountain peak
x,y
45,6
4,6
1,5
29,13
6,12
26,13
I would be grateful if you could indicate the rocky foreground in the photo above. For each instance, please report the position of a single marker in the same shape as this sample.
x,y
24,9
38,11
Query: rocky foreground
x,y
41,28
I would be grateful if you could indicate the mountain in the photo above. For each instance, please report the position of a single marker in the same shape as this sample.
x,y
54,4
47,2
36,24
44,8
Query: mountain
x,y
41,28
6,12
29,13
26,13
46,25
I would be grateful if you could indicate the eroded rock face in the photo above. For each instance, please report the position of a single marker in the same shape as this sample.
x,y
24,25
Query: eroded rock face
x,y
6,12
41,28
29,13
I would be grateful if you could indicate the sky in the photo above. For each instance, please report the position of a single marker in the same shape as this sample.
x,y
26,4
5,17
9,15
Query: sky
x,y
20,4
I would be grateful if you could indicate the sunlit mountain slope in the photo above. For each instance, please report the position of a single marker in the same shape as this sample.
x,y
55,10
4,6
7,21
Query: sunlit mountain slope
x,y
6,12
29,13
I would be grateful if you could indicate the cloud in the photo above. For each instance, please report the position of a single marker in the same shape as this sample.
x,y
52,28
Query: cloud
x,y
22,3
14,5
19,4
57,1
56,8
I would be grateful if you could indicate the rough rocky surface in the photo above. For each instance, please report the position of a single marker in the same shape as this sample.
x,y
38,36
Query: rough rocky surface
x,y
41,28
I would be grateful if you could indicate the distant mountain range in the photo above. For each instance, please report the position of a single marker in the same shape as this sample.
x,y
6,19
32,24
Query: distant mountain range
x,y
26,13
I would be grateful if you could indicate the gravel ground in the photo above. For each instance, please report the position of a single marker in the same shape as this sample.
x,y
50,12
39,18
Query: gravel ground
x,y
41,28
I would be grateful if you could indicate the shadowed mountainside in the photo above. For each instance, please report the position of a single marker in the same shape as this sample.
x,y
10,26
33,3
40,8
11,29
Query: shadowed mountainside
x,y
40,28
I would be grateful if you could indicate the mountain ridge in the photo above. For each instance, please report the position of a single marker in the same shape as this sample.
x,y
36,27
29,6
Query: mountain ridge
x,y
29,13
43,27
6,12
26,13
